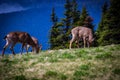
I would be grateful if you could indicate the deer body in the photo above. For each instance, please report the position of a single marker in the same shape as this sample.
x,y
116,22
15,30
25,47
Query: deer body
x,y
81,33
18,37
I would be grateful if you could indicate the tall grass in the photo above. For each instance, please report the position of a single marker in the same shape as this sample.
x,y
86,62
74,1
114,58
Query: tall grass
x,y
100,63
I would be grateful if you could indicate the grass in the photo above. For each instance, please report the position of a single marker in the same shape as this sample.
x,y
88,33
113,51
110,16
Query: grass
x,y
99,63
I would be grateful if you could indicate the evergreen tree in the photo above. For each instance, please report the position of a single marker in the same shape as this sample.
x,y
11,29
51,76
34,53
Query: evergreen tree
x,y
67,23
102,23
54,32
75,13
67,19
72,15
86,21
54,18
111,30
60,32
104,11
83,16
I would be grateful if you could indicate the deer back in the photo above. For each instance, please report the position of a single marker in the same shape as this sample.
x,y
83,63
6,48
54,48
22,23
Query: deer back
x,y
22,37
82,32
86,32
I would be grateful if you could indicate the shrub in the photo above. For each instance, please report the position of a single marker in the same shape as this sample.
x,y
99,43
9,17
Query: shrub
x,y
81,71
84,67
116,71
41,59
51,73
104,55
78,74
52,59
98,50
67,55
54,76
81,53
20,77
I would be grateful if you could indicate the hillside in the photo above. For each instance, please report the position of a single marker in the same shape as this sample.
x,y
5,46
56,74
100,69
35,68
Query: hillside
x,y
101,63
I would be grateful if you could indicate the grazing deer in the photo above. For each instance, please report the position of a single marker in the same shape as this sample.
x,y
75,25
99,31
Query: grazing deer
x,y
27,46
81,33
19,37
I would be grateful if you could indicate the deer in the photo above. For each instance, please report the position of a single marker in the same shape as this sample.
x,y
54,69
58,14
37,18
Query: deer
x,y
19,37
81,32
27,46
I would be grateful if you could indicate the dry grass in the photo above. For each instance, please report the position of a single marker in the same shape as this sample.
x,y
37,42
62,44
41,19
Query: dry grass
x,y
101,63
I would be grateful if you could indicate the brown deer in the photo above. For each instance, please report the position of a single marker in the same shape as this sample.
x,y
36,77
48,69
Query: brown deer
x,y
81,33
19,37
27,46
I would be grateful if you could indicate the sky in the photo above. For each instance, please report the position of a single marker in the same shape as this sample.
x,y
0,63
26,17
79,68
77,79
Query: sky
x,y
33,16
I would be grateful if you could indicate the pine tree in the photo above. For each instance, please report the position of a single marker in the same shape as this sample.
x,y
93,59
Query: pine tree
x,y
86,21
83,16
54,18
102,23
54,32
67,23
72,15
111,30
60,32
75,13
67,19
104,11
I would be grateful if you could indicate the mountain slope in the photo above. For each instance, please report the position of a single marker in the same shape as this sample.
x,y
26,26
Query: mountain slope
x,y
100,63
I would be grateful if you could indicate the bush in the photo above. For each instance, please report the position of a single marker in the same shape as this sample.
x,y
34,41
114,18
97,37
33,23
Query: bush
x,y
98,50
54,76
68,56
81,53
53,59
81,71
78,74
116,71
84,67
104,55
20,77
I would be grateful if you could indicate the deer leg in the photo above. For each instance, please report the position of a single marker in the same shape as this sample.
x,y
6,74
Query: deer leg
x,y
84,41
3,51
40,47
26,47
11,48
33,49
71,41
77,43
88,44
22,48
4,48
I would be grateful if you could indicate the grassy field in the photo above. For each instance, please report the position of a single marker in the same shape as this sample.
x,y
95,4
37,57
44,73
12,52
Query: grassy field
x,y
100,63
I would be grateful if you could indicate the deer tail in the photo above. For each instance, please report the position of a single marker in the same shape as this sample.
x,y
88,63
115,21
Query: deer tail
x,y
5,37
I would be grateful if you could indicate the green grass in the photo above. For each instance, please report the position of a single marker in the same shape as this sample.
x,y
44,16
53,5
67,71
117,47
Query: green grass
x,y
99,63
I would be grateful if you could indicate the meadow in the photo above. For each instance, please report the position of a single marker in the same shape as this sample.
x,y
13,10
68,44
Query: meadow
x,y
95,63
